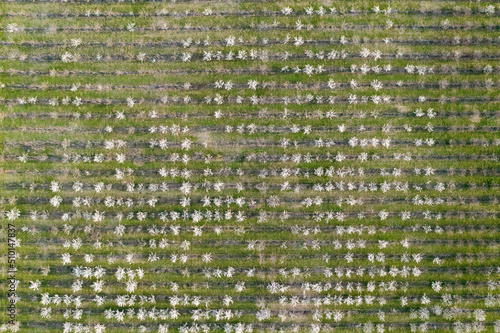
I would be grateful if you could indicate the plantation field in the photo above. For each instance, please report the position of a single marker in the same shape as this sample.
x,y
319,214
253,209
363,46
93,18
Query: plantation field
x,y
250,166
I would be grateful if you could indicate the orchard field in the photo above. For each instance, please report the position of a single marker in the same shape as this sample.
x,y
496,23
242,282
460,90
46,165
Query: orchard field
x,y
250,166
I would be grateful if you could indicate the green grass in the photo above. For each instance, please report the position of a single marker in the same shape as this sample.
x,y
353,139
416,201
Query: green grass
x,y
462,231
